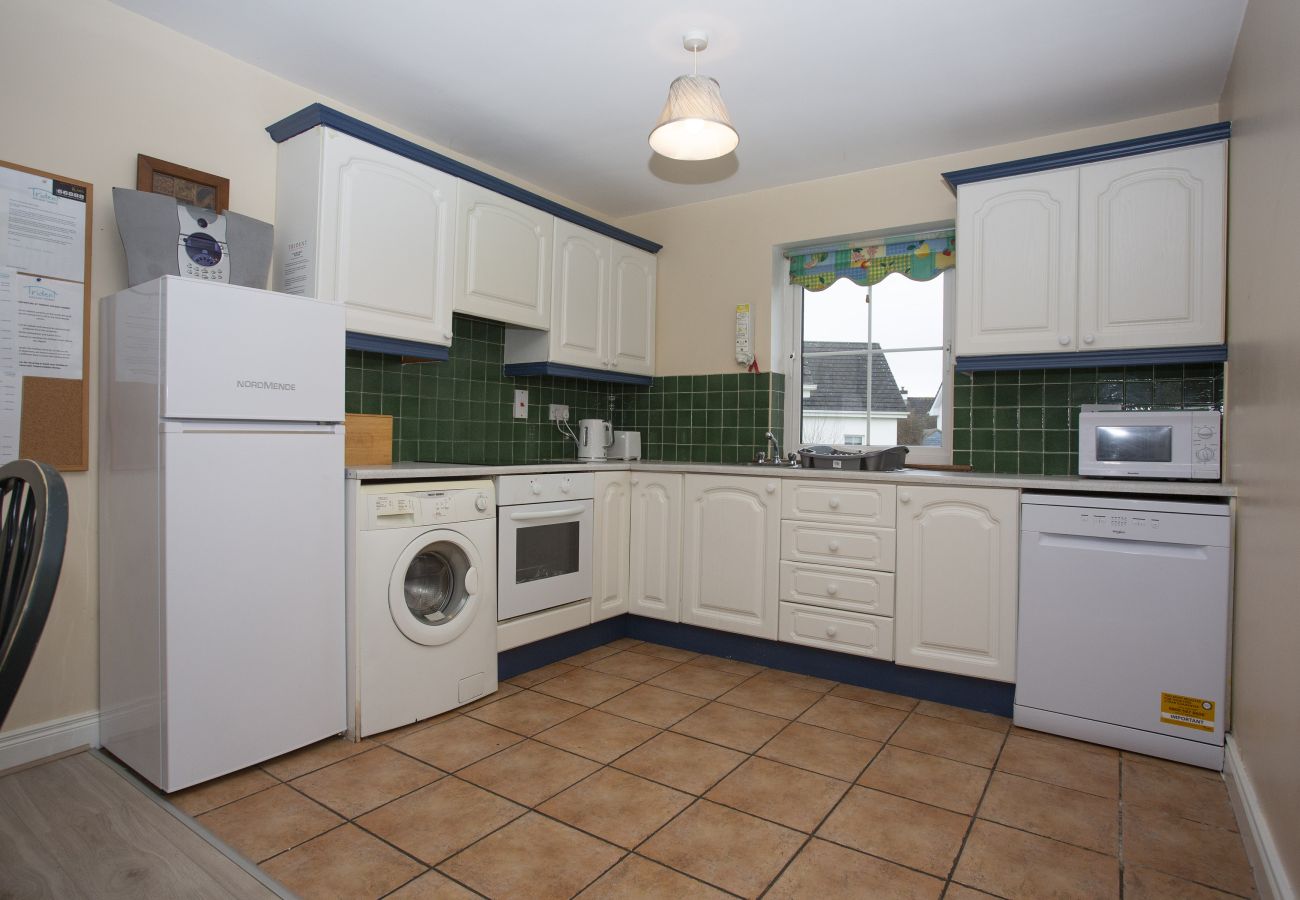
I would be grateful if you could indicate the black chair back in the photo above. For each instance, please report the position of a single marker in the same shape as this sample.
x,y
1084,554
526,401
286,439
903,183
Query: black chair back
x,y
33,531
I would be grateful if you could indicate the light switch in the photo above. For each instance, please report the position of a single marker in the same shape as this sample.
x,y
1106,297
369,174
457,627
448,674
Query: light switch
x,y
521,404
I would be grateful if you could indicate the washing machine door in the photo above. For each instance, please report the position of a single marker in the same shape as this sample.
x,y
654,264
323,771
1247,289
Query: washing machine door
x,y
434,592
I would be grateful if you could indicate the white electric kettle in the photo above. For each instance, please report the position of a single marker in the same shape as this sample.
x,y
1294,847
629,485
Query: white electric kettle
x,y
594,439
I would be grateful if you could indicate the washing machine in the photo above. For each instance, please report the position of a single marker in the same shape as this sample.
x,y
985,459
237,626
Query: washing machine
x,y
421,600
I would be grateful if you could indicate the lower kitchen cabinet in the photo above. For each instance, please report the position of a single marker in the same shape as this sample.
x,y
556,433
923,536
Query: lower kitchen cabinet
x,y
611,545
654,588
732,547
832,629
956,580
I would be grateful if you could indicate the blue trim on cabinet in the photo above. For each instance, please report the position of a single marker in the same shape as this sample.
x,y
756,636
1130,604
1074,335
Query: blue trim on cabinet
x,y
395,346
318,114
1169,140
561,646
1155,356
550,368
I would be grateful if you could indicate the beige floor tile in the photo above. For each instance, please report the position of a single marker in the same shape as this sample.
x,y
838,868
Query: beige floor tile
x,y
734,666
652,705
794,679
432,885
901,830
1176,790
773,699
503,691
1192,850
953,785
646,880
828,871
1060,741
220,791
345,862
965,716
317,756
820,750
537,676
868,695
527,712
793,797
585,686
597,735
529,772
590,656
362,782
731,726
636,666
957,891
1074,817
1169,765
393,734
532,857
1141,883
1072,767
964,743
456,743
726,848
1023,866
866,720
437,821
269,822
680,762
664,652
620,808
697,681
624,643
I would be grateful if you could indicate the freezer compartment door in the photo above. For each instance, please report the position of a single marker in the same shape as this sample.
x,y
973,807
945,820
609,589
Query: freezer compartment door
x,y
253,589
240,354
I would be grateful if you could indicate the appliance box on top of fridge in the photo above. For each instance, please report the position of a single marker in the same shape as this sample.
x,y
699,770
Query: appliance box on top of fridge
x,y
221,527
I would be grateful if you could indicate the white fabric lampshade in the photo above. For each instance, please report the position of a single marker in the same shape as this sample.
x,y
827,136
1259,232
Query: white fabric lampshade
x,y
694,124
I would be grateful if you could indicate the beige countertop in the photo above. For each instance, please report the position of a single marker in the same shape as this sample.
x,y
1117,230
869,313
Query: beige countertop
x,y
413,471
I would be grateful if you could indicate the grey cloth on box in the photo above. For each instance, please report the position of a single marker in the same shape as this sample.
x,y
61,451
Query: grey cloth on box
x,y
150,231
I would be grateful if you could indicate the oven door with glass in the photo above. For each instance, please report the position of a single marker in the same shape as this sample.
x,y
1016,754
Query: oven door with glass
x,y
544,556
1135,444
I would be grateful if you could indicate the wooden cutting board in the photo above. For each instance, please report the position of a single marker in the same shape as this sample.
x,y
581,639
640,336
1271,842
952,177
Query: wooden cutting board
x,y
368,440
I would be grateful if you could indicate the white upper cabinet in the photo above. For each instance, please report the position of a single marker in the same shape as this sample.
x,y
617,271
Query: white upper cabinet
x,y
1016,281
1123,254
732,549
503,259
1152,249
363,226
611,544
655,580
632,311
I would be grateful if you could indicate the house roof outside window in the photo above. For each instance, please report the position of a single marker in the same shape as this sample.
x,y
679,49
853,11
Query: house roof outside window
x,y
839,383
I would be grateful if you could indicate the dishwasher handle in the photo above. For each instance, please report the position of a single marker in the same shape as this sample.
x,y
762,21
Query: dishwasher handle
x,y
1122,545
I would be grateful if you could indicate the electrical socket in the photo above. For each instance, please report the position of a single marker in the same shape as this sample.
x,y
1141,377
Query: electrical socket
x,y
559,411
521,404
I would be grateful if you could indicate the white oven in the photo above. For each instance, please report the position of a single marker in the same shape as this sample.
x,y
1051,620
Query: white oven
x,y
544,527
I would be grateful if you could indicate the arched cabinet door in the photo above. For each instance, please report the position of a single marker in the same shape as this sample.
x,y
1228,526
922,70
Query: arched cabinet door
x,y
503,259
1017,284
1151,250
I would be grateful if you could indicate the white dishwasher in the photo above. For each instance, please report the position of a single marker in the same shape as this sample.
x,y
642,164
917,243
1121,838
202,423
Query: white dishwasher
x,y
1124,623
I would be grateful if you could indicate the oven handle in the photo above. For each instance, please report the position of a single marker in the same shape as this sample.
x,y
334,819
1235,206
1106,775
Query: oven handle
x,y
547,514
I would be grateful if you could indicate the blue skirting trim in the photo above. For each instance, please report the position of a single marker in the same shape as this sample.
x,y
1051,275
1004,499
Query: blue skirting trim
x,y
395,346
549,368
548,650
1204,134
1158,356
318,114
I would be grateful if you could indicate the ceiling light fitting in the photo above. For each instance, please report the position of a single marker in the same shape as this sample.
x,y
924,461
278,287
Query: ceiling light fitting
x,y
694,124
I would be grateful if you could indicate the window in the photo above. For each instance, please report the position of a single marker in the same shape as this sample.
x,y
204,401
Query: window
x,y
873,365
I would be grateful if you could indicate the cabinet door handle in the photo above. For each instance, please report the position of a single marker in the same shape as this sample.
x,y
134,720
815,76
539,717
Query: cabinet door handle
x,y
832,589
834,503
1087,339
834,546
446,335
1063,340
904,497
771,488
613,363
831,631
636,481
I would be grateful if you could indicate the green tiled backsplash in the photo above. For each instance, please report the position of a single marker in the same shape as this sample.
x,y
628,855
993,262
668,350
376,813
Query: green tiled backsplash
x,y
460,410
1027,422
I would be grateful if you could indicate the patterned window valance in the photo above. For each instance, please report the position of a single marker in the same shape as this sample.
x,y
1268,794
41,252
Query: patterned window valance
x,y
920,257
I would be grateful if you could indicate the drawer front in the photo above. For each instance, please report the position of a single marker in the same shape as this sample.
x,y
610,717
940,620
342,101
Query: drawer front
x,y
854,590
838,545
832,501
834,630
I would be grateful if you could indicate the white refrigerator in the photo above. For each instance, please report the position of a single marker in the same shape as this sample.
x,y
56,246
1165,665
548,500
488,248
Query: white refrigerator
x,y
220,527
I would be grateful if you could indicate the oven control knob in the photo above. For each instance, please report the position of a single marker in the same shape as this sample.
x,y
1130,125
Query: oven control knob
x,y
1205,431
566,485
480,503
1205,454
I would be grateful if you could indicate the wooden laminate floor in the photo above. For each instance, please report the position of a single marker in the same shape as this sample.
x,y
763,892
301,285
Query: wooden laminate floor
x,y
76,827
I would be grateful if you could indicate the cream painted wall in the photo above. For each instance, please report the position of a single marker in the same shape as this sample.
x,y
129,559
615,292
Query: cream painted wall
x,y
120,85
1263,407
719,253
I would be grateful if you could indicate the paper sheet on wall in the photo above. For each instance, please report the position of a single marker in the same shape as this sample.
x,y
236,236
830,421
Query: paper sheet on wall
x,y
11,396
48,324
42,225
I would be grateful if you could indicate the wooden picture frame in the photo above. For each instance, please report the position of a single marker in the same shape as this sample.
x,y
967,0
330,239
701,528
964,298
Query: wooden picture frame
x,y
190,186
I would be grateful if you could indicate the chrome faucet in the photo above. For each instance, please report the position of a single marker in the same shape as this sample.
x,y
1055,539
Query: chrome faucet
x,y
775,446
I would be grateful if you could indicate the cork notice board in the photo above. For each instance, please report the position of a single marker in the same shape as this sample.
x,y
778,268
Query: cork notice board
x,y
45,234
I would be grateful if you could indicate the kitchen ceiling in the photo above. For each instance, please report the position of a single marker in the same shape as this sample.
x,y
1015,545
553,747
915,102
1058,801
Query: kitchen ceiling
x,y
563,94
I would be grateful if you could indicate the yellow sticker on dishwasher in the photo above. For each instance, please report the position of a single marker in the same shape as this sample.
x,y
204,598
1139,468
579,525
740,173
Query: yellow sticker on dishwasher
x,y
1186,712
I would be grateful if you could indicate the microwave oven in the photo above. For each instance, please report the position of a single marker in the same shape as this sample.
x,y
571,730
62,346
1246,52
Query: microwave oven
x,y
1118,443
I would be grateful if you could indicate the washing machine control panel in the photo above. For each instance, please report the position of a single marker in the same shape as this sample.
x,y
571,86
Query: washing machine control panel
x,y
429,503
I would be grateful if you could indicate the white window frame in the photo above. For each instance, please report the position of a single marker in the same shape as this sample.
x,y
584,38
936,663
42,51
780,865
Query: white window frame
x,y
793,355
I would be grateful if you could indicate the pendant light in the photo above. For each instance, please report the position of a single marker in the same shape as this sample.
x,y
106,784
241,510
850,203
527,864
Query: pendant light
x,y
694,124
